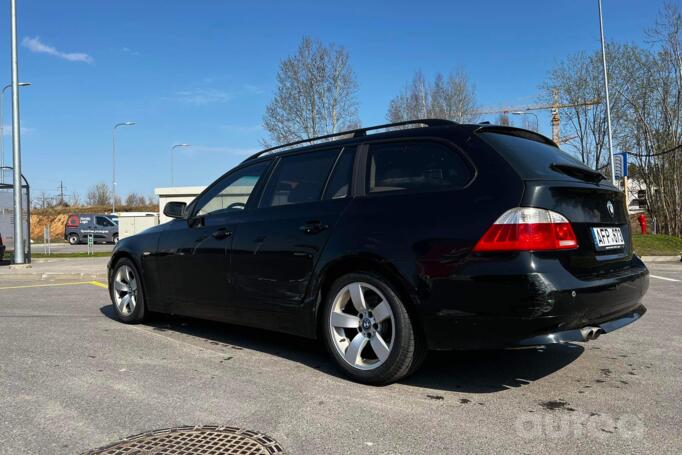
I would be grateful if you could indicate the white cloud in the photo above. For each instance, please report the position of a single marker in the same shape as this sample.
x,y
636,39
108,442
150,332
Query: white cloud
x,y
202,96
37,46
130,51
253,89
7,130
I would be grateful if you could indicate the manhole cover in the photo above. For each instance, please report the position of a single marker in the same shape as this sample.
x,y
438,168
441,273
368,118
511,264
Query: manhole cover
x,y
213,440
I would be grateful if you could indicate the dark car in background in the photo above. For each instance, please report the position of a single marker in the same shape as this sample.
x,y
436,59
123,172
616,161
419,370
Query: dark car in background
x,y
386,245
103,228
2,248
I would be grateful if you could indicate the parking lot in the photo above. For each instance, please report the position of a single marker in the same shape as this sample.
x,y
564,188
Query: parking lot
x,y
73,379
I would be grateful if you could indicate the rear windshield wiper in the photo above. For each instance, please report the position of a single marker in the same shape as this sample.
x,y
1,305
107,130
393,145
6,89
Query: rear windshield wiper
x,y
582,173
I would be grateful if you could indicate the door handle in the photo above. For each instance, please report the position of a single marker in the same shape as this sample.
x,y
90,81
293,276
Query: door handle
x,y
221,234
313,227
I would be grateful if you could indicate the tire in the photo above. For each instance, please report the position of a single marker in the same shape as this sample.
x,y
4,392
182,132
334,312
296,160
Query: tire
x,y
115,239
125,281
74,239
385,346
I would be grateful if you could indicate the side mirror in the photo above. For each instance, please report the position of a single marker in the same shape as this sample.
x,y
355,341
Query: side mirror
x,y
175,209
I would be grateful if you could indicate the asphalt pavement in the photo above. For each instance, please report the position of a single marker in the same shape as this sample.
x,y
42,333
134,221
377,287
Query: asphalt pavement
x,y
72,379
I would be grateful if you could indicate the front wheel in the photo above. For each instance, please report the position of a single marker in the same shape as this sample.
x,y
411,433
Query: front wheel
x,y
368,330
126,292
115,239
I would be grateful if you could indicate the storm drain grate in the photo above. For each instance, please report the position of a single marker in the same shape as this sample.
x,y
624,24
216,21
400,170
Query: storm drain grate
x,y
210,440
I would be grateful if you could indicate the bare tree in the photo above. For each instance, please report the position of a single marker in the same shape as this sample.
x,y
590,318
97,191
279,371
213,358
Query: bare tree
x,y
75,199
578,80
650,124
646,107
135,200
315,94
452,98
99,194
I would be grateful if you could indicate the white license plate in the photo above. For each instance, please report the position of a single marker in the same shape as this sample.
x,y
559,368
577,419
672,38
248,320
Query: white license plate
x,y
606,238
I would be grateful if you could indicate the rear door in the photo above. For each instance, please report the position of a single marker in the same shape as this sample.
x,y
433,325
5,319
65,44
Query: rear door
x,y
276,246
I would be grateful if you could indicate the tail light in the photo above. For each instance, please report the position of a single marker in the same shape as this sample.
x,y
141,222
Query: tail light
x,y
528,229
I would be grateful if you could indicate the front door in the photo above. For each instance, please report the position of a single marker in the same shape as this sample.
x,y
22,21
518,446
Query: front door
x,y
193,259
277,245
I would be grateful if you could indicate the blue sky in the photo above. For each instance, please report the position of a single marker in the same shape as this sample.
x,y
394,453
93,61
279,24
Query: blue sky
x,y
202,71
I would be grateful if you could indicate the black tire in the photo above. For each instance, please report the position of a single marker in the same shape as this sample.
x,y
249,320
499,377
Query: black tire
x,y
408,350
74,239
139,313
115,239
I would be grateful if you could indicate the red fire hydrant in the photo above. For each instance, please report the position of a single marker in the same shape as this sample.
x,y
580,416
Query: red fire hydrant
x,y
642,223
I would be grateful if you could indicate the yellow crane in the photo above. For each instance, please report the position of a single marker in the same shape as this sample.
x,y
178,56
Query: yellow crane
x,y
554,107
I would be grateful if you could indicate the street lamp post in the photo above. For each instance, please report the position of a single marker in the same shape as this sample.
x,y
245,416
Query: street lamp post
x,y
113,163
2,128
606,90
172,160
16,141
537,122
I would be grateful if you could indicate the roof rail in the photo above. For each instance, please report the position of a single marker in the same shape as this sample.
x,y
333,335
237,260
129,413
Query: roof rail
x,y
360,132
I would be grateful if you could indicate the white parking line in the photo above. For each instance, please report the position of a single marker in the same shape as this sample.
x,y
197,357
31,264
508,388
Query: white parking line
x,y
664,278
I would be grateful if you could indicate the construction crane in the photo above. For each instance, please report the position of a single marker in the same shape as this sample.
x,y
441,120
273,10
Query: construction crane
x,y
554,107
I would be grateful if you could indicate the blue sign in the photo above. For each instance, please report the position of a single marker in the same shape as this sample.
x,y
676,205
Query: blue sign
x,y
620,165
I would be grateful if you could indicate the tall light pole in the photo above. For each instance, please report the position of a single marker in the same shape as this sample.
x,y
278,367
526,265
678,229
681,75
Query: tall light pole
x,y
16,142
606,90
113,163
537,122
172,160
2,128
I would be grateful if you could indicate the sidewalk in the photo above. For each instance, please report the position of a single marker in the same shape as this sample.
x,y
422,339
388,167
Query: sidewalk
x,y
94,268
661,258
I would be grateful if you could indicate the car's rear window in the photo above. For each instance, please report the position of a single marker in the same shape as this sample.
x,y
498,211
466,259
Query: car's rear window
x,y
531,159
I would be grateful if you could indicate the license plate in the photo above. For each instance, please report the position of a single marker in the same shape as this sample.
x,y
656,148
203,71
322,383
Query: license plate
x,y
606,238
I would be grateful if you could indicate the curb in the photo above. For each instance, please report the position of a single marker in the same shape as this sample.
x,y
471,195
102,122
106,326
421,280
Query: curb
x,y
661,258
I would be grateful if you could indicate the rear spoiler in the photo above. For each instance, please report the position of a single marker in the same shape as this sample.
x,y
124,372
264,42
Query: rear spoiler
x,y
518,132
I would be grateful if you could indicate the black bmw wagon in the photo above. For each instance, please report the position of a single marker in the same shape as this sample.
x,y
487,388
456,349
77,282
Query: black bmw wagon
x,y
394,240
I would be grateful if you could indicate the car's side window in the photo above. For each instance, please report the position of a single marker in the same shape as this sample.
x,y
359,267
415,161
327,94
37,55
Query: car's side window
x,y
299,178
233,191
414,165
103,221
339,182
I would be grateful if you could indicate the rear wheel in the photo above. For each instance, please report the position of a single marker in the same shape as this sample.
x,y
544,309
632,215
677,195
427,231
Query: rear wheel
x,y
74,239
368,330
126,292
115,239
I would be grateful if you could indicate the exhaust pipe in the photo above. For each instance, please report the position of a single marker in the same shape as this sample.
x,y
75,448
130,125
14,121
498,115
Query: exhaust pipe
x,y
591,333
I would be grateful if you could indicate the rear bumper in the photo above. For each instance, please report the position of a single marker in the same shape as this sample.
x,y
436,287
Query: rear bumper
x,y
586,333
486,311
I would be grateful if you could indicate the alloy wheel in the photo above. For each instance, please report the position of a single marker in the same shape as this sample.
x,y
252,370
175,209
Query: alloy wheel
x,y
362,326
125,290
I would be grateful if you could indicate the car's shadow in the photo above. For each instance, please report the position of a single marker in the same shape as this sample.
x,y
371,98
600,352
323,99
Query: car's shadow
x,y
457,371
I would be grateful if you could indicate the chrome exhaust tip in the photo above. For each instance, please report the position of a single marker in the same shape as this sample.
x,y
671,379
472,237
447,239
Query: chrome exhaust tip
x,y
591,333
